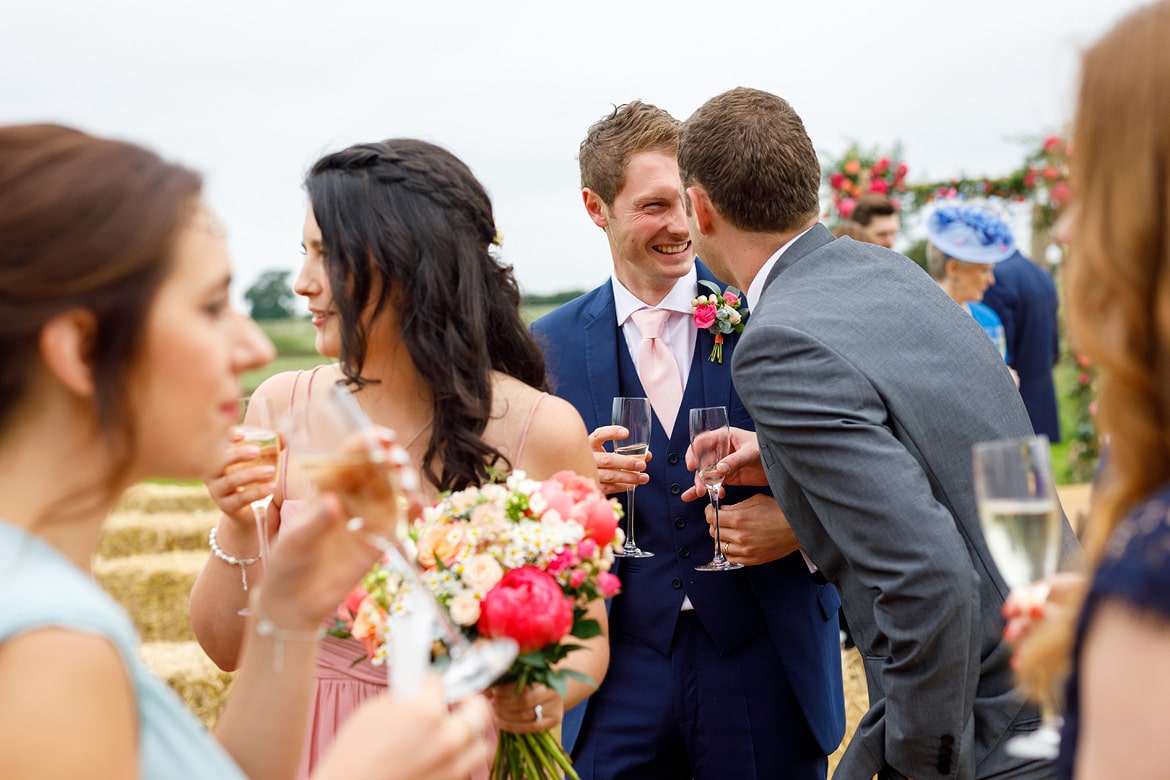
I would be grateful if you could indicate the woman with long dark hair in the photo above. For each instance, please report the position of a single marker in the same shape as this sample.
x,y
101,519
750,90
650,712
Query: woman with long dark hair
x,y
405,290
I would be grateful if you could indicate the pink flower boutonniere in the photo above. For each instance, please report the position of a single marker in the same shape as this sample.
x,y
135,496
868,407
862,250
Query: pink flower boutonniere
x,y
718,314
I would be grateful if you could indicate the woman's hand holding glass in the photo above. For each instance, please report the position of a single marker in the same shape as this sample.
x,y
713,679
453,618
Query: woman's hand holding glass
x,y
1020,515
334,443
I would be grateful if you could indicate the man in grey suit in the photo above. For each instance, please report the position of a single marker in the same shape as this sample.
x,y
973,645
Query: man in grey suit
x,y
868,386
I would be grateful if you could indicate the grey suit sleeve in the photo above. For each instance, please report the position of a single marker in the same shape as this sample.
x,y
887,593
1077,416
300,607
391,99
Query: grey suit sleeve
x,y
830,432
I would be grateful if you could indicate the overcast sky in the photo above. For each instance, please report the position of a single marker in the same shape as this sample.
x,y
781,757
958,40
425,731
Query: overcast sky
x,y
251,92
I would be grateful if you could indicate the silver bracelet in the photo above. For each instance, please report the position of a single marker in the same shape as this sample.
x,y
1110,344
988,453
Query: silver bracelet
x,y
231,560
269,630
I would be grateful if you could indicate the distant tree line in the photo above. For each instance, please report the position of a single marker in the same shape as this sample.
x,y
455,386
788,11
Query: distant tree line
x,y
271,297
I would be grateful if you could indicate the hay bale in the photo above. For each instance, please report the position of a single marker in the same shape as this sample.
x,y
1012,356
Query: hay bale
x,y
154,588
856,700
134,531
198,681
148,497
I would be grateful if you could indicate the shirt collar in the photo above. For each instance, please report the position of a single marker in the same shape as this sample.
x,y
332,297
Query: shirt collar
x,y
677,300
756,288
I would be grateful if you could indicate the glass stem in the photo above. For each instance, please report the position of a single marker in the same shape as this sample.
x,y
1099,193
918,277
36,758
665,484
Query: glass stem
x,y
631,545
713,494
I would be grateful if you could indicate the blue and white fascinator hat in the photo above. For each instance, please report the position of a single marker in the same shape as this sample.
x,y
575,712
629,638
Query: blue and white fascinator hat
x,y
973,234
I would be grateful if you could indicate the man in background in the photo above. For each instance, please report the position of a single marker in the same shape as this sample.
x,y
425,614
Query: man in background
x,y
878,218
1024,296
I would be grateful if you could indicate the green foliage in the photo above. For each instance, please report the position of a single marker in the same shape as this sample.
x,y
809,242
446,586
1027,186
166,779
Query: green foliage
x,y
271,297
551,300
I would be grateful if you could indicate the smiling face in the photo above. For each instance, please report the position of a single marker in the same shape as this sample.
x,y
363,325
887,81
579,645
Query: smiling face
x,y
196,348
646,226
312,283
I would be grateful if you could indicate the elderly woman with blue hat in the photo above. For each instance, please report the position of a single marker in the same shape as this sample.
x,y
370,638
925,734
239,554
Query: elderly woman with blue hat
x,y
965,241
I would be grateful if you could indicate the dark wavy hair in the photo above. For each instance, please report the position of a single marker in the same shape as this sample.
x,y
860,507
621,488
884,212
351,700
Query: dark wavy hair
x,y
407,221
85,223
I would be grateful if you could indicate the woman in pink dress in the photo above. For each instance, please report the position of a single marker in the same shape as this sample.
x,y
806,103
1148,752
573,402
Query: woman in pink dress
x,y
405,290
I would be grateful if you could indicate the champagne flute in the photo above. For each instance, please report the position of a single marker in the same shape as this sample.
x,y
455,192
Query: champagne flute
x,y
633,414
1020,515
711,443
257,426
333,441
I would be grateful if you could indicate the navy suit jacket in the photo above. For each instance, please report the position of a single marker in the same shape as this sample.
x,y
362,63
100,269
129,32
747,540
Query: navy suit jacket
x,y
588,365
1024,296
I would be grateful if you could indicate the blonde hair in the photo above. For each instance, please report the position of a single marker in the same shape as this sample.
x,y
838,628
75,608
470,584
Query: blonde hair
x,y
1118,274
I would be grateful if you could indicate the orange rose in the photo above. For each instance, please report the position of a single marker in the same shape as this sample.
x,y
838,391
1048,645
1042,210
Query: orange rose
x,y
441,543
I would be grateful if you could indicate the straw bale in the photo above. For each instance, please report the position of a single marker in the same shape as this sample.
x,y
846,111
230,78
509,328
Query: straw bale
x,y
148,497
185,667
135,531
154,589
856,699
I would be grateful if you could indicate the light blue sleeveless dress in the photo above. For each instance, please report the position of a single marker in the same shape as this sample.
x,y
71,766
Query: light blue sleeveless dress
x,y
40,588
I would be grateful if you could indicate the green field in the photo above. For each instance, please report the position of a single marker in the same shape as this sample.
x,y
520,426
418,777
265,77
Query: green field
x,y
294,344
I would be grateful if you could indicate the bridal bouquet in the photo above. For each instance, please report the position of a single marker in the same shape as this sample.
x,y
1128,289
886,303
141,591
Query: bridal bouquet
x,y
519,559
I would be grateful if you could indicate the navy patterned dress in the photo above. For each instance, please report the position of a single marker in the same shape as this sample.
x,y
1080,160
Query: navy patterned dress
x,y
1135,570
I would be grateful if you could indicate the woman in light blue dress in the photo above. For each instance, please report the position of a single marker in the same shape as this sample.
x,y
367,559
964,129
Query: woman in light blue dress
x,y
120,359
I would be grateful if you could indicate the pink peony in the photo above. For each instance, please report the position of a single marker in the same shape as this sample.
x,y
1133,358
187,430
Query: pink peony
x,y
528,606
597,517
577,486
555,496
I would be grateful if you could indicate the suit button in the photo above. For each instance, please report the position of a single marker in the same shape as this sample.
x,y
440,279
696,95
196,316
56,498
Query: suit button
x,y
672,458
676,583
947,739
944,767
684,553
680,523
675,489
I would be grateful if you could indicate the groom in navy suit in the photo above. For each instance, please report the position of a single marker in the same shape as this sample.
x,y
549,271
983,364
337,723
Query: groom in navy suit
x,y
712,675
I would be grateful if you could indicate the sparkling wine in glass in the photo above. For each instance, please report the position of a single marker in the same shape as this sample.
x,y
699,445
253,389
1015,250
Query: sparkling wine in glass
x,y
711,443
257,426
1021,519
633,414
334,443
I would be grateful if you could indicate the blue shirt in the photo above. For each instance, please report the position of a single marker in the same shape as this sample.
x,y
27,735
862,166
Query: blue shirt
x,y
40,588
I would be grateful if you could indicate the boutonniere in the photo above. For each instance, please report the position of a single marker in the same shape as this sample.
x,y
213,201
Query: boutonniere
x,y
718,314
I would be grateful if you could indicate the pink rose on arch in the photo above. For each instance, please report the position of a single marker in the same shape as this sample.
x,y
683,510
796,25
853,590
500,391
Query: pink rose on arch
x,y
528,606
705,315
879,185
846,207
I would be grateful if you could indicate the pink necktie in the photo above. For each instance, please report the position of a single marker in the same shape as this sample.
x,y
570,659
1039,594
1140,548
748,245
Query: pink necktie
x,y
656,366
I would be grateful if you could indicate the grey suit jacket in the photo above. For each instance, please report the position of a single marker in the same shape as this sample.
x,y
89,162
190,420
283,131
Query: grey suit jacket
x,y
868,385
